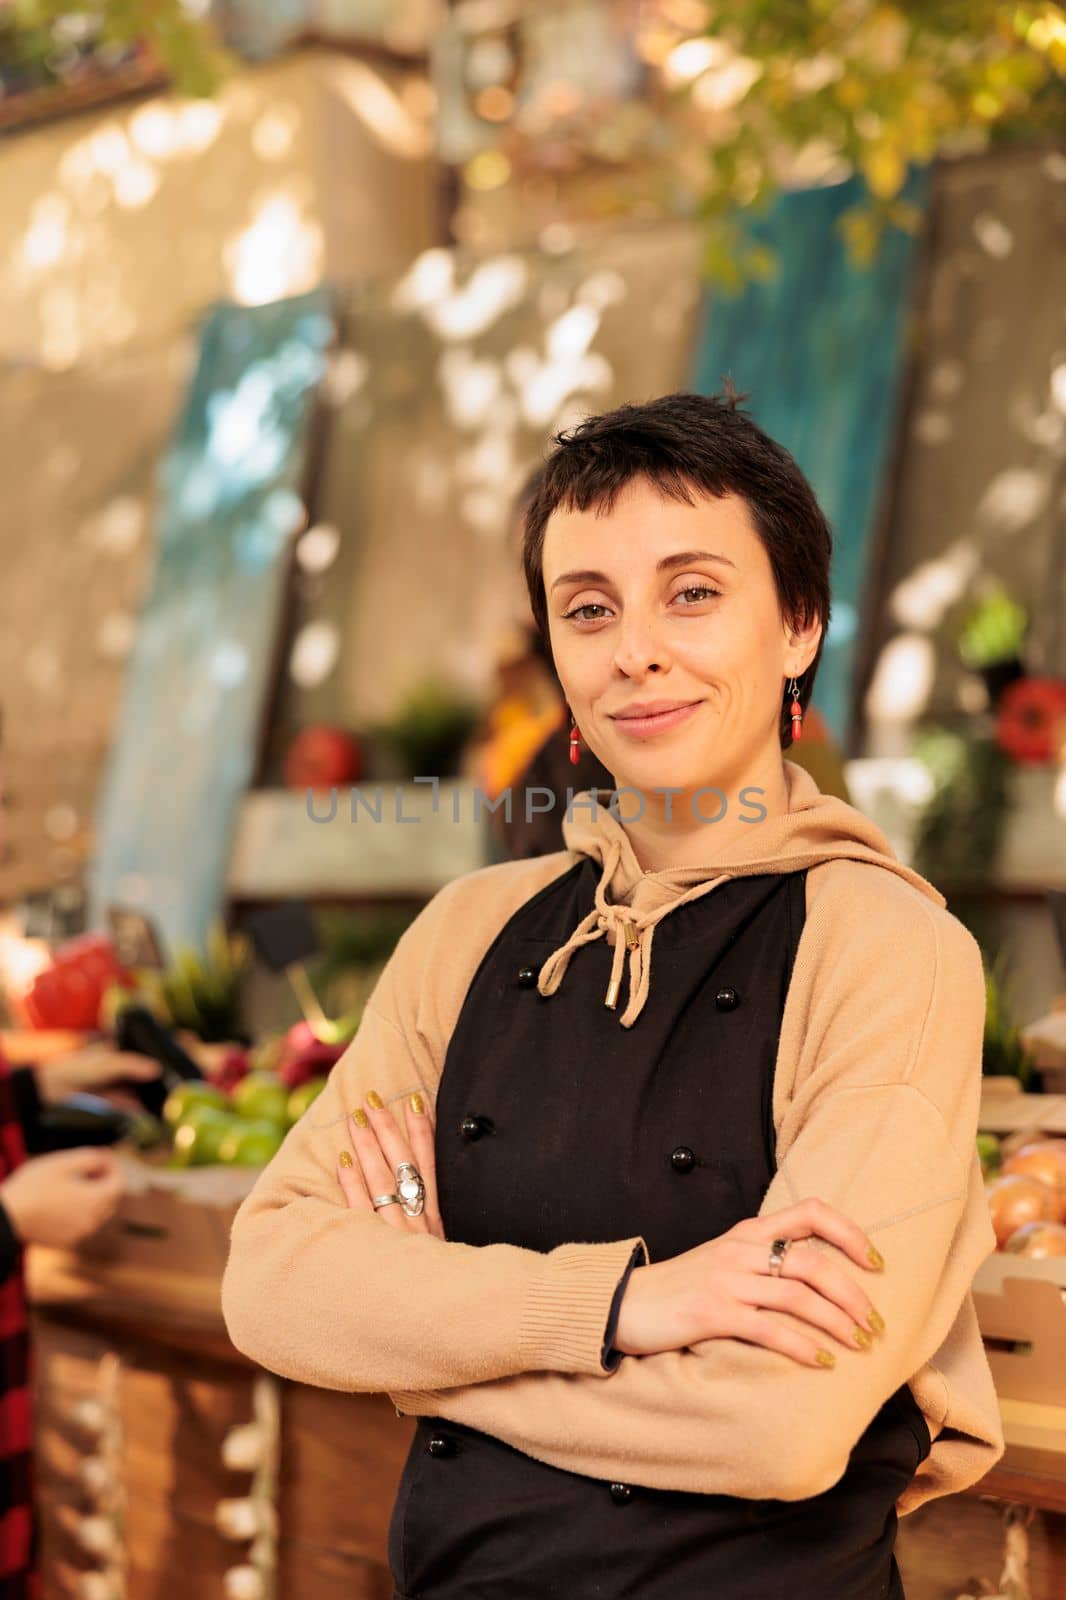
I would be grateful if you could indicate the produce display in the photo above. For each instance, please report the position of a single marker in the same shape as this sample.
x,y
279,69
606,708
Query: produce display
x,y
240,1112
69,992
1026,1189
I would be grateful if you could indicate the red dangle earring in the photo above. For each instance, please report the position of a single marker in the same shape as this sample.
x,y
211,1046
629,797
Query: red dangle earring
x,y
575,745
797,711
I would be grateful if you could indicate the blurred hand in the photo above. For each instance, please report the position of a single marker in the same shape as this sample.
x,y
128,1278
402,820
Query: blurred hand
x,y
62,1197
91,1069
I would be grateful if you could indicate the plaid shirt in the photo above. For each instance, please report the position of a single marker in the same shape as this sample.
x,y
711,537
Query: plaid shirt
x,y
18,1526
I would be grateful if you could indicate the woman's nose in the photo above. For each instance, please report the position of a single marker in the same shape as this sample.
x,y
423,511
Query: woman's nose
x,y
640,650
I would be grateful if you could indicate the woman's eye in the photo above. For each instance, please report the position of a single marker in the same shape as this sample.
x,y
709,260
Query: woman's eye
x,y
694,595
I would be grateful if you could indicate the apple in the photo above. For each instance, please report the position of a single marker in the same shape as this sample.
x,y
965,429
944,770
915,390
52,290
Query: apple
x,y
232,1064
261,1096
341,1030
194,1091
198,1138
321,758
301,1098
251,1143
306,1055
312,1063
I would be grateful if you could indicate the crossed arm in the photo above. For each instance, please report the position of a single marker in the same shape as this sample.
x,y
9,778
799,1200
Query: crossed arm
x,y
879,1122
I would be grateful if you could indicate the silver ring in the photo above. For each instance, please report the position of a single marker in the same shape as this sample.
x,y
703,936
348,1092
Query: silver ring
x,y
412,1189
386,1200
777,1255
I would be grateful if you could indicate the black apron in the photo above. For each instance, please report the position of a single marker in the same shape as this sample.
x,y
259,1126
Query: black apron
x,y
555,1124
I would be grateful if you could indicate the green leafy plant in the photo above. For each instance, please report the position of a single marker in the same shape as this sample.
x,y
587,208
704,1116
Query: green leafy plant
x,y
202,991
992,630
960,830
1004,1055
431,729
35,33
355,946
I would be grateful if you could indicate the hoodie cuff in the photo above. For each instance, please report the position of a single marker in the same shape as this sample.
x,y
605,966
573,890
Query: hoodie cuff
x,y
609,1355
568,1305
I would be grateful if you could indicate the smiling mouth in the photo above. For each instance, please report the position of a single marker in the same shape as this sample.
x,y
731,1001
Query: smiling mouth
x,y
650,722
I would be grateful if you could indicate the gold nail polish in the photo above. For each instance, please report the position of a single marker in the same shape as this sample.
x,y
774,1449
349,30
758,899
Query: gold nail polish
x,y
418,1105
826,1358
876,1321
360,1118
862,1338
375,1101
346,1159
875,1258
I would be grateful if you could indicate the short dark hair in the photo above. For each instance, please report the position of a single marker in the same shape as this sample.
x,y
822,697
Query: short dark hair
x,y
682,443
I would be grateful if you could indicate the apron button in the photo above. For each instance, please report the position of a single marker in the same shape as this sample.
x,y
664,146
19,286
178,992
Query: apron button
x,y
621,1493
527,977
683,1159
727,999
441,1445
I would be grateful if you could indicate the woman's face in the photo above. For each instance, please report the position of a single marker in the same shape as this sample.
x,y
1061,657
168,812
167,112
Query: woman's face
x,y
663,604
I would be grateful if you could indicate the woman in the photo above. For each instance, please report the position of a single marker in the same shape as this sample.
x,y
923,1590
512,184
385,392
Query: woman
x,y
679,1286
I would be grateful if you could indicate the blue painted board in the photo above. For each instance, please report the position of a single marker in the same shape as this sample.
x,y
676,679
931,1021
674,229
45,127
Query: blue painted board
x,y
229,504
819,350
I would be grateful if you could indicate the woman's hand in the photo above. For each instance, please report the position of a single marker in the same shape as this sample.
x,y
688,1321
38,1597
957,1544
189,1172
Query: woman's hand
x,y
720,1289
379,1148
94,1067
59,1198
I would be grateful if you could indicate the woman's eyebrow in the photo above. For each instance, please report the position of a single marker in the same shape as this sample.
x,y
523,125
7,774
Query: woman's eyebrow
x,y
682,559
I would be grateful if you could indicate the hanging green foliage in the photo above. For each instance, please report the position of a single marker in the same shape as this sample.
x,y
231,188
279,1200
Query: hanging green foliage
x,y
40,36
820,85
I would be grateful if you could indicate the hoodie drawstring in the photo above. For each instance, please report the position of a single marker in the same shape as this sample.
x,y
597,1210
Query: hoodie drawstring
x,y
632,933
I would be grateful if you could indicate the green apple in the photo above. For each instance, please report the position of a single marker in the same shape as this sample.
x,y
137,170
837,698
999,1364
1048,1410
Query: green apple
x,y
341,1030
251,1144
193,1092
989,1152
301,1098
262,1097
198,1137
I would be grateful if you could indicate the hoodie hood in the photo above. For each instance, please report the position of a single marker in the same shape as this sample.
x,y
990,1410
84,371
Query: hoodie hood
x,y
630,903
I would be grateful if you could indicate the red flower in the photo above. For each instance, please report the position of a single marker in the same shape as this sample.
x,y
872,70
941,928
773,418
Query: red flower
x,y
1031,719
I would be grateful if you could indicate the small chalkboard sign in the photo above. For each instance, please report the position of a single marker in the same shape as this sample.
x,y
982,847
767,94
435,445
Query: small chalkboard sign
x,y
137,943
283,935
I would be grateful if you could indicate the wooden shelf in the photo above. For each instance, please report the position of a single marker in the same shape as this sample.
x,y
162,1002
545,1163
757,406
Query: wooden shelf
x,y
399,844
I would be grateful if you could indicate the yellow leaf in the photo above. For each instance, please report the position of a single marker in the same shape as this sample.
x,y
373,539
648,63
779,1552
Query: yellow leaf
x,y
884,170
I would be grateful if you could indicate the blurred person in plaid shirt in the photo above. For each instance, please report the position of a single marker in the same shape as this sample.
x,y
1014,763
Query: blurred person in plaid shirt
x,y
52,1197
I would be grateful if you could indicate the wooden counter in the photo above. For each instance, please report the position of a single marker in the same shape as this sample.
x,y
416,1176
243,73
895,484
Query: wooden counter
x,y
165,1387
153,1348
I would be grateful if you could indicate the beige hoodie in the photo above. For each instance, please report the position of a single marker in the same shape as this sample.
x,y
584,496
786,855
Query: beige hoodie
x,y
876,1092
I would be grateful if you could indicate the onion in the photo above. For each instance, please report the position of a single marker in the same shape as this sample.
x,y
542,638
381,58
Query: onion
x,y
1038,1240
1045,1160
1014,1200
